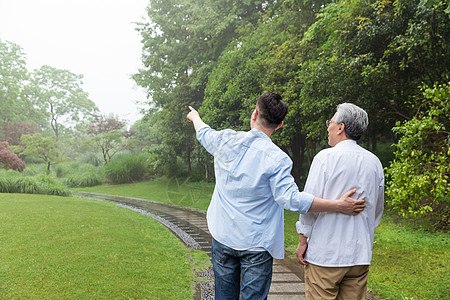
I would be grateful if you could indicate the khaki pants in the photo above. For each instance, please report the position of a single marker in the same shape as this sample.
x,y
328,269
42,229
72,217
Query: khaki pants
x,y
342,283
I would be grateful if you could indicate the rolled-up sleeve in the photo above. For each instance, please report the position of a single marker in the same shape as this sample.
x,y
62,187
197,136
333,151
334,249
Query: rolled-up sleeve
x,y
285,190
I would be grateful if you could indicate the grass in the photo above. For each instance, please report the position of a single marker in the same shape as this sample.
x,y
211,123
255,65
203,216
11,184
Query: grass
x,y
407,263
73,248
174,191
410,263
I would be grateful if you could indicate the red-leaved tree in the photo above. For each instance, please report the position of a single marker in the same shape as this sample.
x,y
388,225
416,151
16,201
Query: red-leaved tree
x,y
13,131
10,160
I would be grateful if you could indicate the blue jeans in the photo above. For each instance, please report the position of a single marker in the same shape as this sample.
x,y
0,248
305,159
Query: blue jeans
x,y
240,271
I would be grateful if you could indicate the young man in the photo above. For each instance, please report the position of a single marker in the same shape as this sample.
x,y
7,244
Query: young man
x,y
339,249
253,185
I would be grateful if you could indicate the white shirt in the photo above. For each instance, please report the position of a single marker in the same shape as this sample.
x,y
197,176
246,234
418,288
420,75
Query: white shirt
x,y
253,185
335,239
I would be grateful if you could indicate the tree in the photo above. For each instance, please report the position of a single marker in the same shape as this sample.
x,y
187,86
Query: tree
x,y
40,146
13,131
265,58
13,82
10,160
419,175
58,94
182,42
108,134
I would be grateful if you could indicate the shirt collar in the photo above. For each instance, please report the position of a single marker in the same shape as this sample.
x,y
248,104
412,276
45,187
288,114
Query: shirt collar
x,y
345,142
259,133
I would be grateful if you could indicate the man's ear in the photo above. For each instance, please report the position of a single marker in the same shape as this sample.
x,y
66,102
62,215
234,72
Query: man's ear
x,y
254,115
279,125
341,128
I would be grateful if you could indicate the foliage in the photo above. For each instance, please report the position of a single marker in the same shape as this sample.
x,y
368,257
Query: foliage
x,y
10,160
13,85
75,248
107,134
127,168
40,146
59,96
12,182
92,158
418,177
13,131
182,43
84,175
84,179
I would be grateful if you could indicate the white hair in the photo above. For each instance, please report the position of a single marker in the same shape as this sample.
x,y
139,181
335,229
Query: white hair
x,y
354,118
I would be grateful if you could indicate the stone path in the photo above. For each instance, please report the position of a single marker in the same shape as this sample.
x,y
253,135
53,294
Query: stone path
x,y
189,225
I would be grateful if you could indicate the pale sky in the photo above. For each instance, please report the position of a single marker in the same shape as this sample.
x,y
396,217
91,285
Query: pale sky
x,y
93,38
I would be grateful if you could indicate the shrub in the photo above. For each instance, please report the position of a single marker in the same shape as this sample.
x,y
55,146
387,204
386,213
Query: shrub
x,y
12,182
418,177
127,168
10,160
92,158
84,179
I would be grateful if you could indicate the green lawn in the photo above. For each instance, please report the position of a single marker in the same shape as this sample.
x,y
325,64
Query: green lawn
x,y
175,191
407,263
74,248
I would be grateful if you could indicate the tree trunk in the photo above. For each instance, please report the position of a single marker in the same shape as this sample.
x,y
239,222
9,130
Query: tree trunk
x,y
297,148
188,157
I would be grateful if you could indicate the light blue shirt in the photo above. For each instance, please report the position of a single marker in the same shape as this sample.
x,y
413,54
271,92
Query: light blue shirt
x,y
253,185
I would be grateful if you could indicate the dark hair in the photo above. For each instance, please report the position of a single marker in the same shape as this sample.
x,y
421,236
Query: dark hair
x,y
272,109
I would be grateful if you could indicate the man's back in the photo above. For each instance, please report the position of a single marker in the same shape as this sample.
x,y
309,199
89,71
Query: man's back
x,y
338,240
253,184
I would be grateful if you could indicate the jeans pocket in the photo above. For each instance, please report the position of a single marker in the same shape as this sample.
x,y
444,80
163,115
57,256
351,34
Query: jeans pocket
x,y
218,252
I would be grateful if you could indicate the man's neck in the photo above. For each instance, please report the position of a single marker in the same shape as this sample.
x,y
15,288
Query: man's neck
x,y
341,140
263,129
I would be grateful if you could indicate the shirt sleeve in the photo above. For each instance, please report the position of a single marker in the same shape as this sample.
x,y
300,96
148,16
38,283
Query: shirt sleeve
x,y
209,138
314,184
285,191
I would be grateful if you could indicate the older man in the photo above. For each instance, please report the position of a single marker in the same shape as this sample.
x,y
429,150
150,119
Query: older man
x,y
337,248
253,185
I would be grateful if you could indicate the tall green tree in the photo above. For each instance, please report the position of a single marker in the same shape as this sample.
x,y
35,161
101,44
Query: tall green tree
x,y
265,58
14,102
59,96
182,41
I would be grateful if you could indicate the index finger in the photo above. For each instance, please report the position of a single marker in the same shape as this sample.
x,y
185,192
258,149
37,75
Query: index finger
x,y
191,108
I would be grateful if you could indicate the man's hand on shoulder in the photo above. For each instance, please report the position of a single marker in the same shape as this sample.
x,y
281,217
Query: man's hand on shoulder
x,y
349,205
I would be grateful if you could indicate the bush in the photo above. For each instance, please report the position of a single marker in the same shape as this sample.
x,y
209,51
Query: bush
x,y
418,177
127,168
92,158
84,179
13,182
